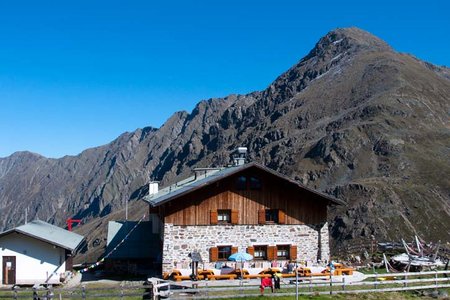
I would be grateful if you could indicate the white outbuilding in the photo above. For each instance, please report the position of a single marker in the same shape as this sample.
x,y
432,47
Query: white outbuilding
x,y
36,253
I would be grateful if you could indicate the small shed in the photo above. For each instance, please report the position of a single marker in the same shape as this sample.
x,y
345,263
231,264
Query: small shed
x,y
131,248
36,253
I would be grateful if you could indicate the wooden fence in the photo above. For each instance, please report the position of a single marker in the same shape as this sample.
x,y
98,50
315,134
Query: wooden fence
x,y
240,289
312,286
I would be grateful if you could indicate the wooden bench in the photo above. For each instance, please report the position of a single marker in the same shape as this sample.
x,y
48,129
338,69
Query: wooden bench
x,y
187,277
205,273
343,271
287,275
253,276
340,269
223,276
306,272
177,276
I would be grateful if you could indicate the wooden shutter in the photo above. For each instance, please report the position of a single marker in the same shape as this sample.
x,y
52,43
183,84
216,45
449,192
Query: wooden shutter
x,y
234,216
213,254
251,250
234,250
262,216
281,217
213,217
271,252
293,252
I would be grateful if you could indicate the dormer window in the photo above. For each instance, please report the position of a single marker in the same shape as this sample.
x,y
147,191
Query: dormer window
x,y
244,183
241,183
255,183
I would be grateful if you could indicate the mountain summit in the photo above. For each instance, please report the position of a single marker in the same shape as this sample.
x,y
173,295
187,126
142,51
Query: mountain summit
x,y
352,118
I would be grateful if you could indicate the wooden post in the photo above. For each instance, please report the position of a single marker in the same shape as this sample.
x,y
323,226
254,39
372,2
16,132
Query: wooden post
x,y
15,293
35,295
50,293
405,284
155,290
83,292
343,283
436,279
375,284
331,283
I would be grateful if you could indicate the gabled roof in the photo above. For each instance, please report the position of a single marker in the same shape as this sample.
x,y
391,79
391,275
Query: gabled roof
x,y
211,176
48,233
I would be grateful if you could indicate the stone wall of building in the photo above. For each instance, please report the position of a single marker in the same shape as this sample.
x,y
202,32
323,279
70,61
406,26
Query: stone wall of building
x,y
312,241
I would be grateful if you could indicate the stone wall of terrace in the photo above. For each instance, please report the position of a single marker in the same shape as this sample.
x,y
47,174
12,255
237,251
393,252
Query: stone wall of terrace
x,y
312,241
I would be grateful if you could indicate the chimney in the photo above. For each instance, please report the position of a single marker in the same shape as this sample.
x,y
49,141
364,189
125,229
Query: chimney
x,y
153,188
240,156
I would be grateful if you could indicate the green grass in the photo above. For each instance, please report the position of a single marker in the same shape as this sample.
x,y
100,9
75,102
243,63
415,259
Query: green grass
x,y
364,296
115,294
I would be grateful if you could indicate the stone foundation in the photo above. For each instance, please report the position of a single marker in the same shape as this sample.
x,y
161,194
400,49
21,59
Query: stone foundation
x,y
312,241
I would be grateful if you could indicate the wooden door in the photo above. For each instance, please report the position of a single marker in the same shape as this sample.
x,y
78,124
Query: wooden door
x,y
9,270
69,260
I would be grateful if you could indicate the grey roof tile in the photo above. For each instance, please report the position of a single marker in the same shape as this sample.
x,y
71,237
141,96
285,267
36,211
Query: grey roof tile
x,y
193,183
48,233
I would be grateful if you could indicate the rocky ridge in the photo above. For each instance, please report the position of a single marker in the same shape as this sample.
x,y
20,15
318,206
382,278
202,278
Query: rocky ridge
x,y
352,118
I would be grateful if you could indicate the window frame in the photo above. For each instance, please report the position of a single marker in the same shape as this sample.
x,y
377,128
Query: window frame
x,y
256,249
255,183
241,183
221,253
286,248
224,212
272,214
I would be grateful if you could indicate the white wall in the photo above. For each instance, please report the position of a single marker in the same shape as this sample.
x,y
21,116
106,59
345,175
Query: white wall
x,y
36,261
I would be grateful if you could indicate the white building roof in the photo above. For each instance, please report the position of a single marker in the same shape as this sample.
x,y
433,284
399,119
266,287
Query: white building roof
x,y
48,233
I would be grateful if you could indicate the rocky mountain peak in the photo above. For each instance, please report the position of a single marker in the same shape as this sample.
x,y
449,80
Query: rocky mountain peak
x,y
355,37
336,47
353,118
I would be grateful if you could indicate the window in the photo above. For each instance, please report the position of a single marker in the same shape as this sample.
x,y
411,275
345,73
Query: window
x,y
255,183
224,252
224,216
241,183
271,215
283,251
260,252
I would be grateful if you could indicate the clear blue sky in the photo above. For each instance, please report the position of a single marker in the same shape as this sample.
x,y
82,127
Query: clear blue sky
x,y
77,74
